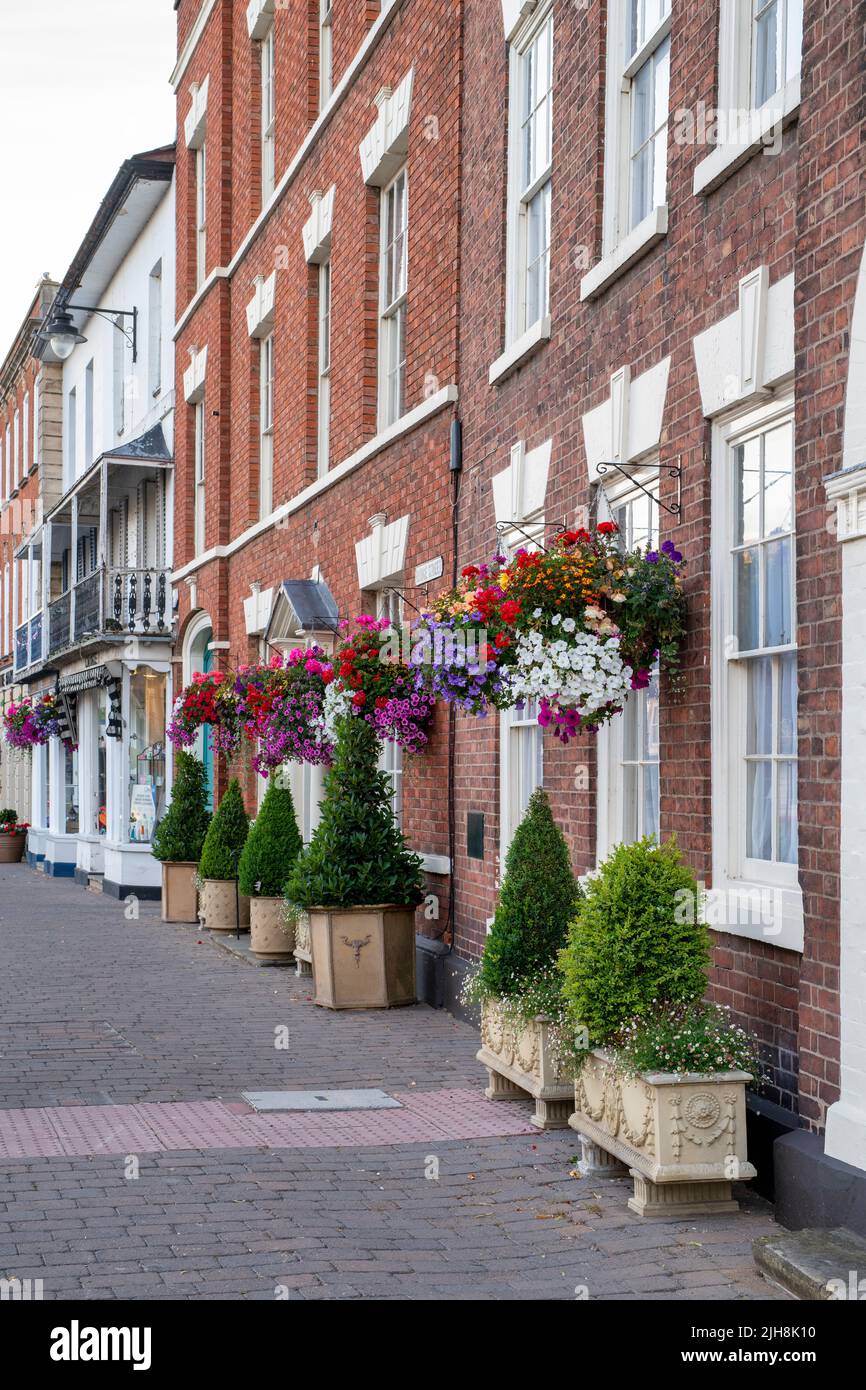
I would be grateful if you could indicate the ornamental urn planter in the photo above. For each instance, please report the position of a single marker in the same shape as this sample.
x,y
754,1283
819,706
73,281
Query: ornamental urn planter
x,y
683,1137
520,1059
363,957
271,938
179,893
12,847
222,907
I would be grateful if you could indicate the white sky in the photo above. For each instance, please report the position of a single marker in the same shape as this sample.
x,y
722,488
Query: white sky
x,y
83,85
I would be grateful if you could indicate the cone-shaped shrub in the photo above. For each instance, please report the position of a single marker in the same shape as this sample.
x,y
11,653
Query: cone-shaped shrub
x,y
357,855
537,901
272,846
636,943
226,836
179,837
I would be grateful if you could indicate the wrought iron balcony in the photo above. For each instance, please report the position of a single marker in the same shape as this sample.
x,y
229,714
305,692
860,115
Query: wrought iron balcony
x,y
111,602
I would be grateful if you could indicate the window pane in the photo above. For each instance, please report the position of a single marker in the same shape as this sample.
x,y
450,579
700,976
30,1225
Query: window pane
x,y
759,811
746,571
630,802
650,800
778,458
747,510
650,722
538,243
759,718
767,51
641,185
787,735
786,801
777,597
631,728
642,106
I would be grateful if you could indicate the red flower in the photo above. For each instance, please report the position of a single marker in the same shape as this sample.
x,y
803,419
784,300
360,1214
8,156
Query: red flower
x,y
502,641
509,610
607,528
489,653
470,571
381,702
359,698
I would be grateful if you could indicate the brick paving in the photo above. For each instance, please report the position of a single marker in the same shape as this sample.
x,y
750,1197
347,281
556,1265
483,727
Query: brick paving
x,y
124,1048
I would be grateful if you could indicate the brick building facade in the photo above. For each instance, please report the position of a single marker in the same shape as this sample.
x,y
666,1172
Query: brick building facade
x,y
634,237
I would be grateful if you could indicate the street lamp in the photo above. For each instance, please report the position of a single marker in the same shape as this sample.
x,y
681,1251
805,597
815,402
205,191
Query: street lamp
x,y
64,337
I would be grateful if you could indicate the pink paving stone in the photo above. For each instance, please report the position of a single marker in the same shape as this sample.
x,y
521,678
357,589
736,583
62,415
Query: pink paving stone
x,y
102,1129
28,1134
197,1124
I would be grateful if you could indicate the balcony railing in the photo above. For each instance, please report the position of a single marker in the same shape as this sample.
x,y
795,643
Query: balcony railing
x,y
111,601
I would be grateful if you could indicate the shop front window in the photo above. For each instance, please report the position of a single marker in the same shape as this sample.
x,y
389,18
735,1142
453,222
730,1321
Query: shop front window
x,y
101,807
70,783
146,753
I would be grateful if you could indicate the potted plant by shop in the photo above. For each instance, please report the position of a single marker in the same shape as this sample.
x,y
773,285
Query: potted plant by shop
x,y
661,1083
518,984
272,846
13,837
359,883
179,838
223,906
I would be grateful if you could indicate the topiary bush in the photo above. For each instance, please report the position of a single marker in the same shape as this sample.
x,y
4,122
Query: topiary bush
x,y
537,900
631,947
357,856
226,836
272,846
179,836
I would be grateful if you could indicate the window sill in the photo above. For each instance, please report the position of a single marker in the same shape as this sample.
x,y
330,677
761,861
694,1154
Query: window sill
x,y
749,137
645,235
520,349
766,912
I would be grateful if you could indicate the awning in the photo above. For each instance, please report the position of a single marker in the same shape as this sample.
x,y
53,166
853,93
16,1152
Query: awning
x,y
91,678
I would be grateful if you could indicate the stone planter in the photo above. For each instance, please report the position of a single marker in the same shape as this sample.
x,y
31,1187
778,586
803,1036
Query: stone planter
x,y
179,893
682,1137
218,909
270,937
12,847
303,946
363,957
520,1061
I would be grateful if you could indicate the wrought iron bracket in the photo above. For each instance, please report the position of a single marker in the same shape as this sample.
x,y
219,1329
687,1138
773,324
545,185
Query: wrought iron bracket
x,y
670,470
503,526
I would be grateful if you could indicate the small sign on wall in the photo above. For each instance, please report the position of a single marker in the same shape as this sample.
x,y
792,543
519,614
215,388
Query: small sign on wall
x,y
431,569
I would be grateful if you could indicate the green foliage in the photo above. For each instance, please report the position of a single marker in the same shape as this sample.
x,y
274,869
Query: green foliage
x,y
226,836
692,1038
538,898
631,947
272,846
357,855
179,836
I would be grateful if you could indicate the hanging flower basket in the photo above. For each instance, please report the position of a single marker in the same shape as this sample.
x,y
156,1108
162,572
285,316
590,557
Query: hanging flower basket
x,y
281,707
31,723
371,680
209,699
574,627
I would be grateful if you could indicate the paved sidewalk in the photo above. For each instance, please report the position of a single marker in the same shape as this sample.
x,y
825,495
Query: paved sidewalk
x,y
98,1012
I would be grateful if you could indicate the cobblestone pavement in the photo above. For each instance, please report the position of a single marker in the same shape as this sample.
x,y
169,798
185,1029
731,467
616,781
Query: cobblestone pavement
x,y
100,1011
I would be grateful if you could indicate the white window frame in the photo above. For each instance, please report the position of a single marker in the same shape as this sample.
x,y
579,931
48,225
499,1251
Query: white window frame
x,y
739,878
738,56
517,724
199,496
36,394
517,319
7,475
268,115
323,393
392,312
266,425
25,436
610,806
621,71
326,52
16,456
200,213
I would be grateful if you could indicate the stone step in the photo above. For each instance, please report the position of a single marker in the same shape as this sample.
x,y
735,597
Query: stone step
x,y
815,1264
94,883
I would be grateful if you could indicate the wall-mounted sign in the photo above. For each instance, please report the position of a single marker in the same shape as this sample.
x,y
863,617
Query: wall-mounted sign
x,y
431,569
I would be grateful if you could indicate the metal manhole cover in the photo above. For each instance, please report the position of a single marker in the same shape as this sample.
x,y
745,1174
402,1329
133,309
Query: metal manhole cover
x,y
368,1099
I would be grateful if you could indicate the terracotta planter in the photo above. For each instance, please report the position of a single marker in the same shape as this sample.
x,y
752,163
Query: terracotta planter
x,y
218,906
270,937
683,1138
179,893
363,957
520,1060
12,847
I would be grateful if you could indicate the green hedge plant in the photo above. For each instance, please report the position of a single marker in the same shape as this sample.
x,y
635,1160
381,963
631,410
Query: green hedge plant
x,y
537,901
632,949
272,846
179,836
357,856
226,836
